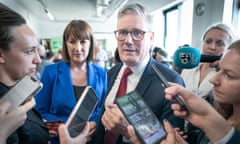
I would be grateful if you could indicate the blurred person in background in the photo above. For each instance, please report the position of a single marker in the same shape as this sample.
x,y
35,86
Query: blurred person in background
x,y
215,39
160,55
101,56
44,61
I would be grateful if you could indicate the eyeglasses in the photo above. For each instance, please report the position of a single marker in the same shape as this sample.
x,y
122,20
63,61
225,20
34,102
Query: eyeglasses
x,y
136,34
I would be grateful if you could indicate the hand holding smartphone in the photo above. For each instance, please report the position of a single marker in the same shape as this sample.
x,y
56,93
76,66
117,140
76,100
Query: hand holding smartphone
x,y
165,84
82,111
146,124
22,91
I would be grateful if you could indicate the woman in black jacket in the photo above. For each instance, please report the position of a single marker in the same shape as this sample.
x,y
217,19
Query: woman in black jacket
x,y
18,57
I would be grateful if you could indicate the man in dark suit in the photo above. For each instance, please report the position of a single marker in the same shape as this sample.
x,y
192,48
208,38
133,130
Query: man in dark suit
x,y
135,39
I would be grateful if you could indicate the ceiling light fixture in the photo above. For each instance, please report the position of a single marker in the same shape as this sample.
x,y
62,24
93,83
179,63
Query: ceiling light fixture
x,y
105,8
99,10
103,3
46,10
50,16
113,5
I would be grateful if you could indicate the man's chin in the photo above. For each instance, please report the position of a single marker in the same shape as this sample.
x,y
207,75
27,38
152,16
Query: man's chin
x,y
131,63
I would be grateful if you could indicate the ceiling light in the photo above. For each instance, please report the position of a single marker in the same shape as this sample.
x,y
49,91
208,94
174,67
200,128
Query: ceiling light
x,y
50,16
103,3
99,11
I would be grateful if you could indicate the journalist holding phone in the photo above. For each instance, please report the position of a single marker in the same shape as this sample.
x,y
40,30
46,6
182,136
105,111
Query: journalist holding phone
x,y
18,57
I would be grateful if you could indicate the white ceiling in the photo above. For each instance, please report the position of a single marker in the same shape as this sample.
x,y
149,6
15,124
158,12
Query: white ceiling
x,y
65,10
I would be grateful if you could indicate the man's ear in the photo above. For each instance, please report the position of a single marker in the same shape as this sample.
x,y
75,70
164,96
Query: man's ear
x,y
2,57
152,39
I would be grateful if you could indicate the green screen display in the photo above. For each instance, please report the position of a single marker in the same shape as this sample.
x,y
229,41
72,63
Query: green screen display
x,y
56,44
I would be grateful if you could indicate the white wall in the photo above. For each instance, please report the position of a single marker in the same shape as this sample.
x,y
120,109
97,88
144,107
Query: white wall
x,y
47,29
213,13
31,20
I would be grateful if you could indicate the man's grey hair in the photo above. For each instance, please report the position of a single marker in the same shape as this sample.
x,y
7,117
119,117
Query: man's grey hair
x,y
137,9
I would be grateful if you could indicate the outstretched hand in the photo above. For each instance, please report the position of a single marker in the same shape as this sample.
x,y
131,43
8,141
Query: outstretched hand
x,y
214,126
172,136
65,138
11,120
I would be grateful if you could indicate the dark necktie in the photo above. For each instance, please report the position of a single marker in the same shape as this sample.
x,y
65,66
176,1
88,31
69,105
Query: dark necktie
x,y
110,138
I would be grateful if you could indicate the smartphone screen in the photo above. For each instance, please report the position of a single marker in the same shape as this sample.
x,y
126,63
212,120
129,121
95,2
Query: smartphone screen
x,y
147,126
82,111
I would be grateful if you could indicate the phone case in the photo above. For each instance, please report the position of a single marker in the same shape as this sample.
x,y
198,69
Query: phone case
x,y
165,85
82,111
23,90
144,121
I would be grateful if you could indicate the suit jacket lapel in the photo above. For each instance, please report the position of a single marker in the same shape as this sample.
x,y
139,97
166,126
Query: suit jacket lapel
x,y
65,78
145,80
112,75
92,77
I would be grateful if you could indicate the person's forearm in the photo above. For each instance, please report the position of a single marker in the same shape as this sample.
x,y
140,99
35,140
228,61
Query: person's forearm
x,y
2,140
216,127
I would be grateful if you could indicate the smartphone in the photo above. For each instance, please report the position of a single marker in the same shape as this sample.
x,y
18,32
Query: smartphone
x,y
22,91
137,112
82,111
165,85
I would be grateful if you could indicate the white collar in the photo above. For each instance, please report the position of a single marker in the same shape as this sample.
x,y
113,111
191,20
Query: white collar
x,y
139,68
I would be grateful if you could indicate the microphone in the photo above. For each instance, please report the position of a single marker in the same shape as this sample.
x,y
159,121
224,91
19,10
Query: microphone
x,y
209,58
189,57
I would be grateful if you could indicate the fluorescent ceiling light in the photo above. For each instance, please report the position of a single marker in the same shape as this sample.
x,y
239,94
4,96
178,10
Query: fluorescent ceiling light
x,y
50,16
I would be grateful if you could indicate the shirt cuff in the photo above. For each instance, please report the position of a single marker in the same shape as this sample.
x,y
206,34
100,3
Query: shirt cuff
x,y
226,138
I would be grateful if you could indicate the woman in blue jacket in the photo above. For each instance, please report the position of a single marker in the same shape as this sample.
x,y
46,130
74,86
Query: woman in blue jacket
x,y
64,81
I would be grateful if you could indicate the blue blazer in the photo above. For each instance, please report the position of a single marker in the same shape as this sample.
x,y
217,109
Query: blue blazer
x,y
151,90
56,100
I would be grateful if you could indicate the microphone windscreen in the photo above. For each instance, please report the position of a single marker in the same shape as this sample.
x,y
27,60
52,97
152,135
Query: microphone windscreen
x,y
186,57
209,58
